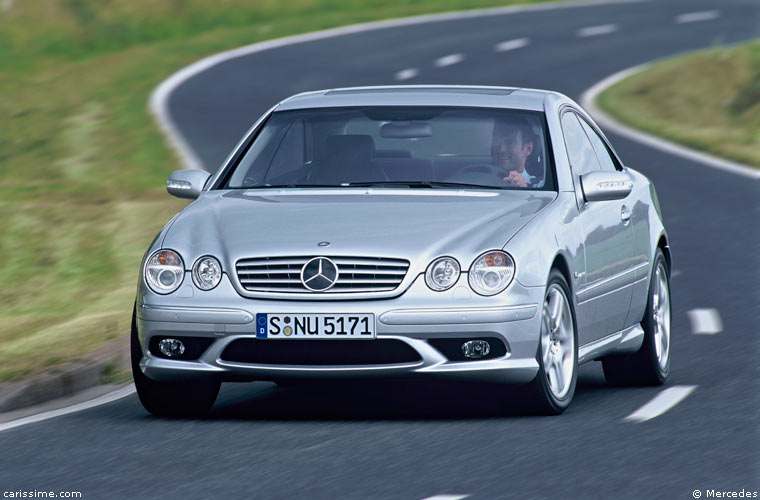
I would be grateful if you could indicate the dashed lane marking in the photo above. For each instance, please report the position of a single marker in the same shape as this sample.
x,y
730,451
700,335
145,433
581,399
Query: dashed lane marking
x,y
448,60
696,17
604,29
664,401
511,44
406,74
446,497
705,321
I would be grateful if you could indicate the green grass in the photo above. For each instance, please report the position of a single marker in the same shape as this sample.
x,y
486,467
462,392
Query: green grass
x,y
82,164
708,100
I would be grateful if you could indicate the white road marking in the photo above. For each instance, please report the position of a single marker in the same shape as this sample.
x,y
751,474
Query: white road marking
x,y
604,29
446,497
705,321
588,99
406,74
107,398
159,99
664,401
448,60
511,44
696,17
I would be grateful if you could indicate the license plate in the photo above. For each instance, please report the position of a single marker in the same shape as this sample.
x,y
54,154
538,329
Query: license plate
x,y
315,326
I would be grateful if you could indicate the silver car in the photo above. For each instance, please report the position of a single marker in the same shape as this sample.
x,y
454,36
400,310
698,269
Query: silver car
x,y
480,233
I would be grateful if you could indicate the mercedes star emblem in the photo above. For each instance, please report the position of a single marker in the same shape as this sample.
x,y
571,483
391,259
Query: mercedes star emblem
x,y
319,274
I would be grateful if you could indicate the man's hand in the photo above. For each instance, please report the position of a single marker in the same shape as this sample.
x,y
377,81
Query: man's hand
x,y
516,179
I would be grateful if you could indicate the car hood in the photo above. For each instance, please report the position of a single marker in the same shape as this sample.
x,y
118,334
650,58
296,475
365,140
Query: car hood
x,y
397,223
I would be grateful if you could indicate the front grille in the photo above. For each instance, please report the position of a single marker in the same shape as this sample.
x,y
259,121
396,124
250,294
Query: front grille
x,y
355,274
320,352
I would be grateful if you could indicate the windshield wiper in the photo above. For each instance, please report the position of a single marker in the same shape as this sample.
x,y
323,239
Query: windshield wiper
x,y
419,184
409,184
280,186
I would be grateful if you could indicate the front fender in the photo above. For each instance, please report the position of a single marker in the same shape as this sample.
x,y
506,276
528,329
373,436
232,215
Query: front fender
x,y
553,232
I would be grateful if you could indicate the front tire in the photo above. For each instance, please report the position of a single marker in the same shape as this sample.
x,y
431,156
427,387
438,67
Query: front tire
x,y
650,365
170,399
554,386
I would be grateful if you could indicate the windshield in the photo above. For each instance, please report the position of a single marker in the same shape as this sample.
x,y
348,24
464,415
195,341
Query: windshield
x,y
421,147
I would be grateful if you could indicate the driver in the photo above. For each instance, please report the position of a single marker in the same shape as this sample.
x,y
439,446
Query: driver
x,y
511,145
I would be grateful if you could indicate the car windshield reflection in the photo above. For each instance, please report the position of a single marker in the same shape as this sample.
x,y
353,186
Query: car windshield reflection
x,y
414,147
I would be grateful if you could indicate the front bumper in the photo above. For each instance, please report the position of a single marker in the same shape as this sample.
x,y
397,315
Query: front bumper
x,y
414,318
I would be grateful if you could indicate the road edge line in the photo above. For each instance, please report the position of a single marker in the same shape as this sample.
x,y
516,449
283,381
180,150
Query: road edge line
x,y
101,400
158,103
588,101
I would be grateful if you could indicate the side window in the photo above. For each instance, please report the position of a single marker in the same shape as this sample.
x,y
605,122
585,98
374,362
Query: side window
x,y
605,159
579,149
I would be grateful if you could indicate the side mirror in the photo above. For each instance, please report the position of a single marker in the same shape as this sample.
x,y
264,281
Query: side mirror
x,y
187,183
602,186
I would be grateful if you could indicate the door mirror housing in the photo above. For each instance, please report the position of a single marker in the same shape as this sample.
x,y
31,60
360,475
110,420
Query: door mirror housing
x,y
187,183
603,186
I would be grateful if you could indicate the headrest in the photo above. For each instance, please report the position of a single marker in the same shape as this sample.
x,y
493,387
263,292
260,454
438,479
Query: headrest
x,y
392,153
357,147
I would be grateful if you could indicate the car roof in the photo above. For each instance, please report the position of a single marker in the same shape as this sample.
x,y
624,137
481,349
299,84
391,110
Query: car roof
x,y
421,95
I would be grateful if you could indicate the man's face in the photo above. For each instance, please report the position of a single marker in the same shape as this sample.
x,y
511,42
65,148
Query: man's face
x,y
508,149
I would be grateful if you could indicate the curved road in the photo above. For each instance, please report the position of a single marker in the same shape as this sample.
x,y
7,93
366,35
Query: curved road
x,y
407,440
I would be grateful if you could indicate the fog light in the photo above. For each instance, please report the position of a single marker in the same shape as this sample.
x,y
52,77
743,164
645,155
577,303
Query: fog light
x,y
172,348
476,349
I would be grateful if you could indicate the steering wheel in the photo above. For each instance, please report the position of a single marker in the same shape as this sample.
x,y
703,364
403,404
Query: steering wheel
x,y
483,168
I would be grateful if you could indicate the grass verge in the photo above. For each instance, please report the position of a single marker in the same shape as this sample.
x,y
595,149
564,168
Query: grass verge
x,y
82,164
707,100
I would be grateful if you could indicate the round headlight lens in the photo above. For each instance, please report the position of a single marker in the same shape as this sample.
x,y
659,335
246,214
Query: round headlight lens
x,y
207,273
492,272
442,273
164,271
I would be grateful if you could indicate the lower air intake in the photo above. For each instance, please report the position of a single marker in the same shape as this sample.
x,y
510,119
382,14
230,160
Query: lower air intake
x,y
320,352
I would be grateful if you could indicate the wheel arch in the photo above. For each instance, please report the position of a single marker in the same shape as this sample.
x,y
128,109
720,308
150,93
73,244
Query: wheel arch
x,y
561,263
664,246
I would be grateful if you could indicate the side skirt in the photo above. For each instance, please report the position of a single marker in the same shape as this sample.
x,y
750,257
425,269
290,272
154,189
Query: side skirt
x,y
627,340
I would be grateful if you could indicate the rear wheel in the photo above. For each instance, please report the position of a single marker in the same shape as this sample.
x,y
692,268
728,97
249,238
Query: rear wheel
x,y
170,399
557,357
651,364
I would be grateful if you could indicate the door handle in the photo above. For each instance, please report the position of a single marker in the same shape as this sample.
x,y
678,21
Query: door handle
x,y
625,215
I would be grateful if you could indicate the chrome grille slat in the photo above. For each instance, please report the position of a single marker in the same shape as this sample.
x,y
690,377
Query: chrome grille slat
x,y
371,262
278,280
356,274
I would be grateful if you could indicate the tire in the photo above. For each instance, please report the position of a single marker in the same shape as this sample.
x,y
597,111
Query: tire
x,y
553,388
170,399
650,365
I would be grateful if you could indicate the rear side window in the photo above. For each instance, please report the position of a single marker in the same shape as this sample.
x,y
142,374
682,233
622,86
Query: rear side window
x,y
579,150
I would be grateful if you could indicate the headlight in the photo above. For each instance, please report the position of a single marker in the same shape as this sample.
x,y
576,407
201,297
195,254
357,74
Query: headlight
x,y
207,273
442,273
492,272
164,271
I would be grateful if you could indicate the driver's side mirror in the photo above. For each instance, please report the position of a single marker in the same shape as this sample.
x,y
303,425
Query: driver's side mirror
x,y
187,183
602,186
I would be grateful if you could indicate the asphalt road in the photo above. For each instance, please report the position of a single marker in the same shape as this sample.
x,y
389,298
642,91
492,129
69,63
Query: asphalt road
x,y
411,440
